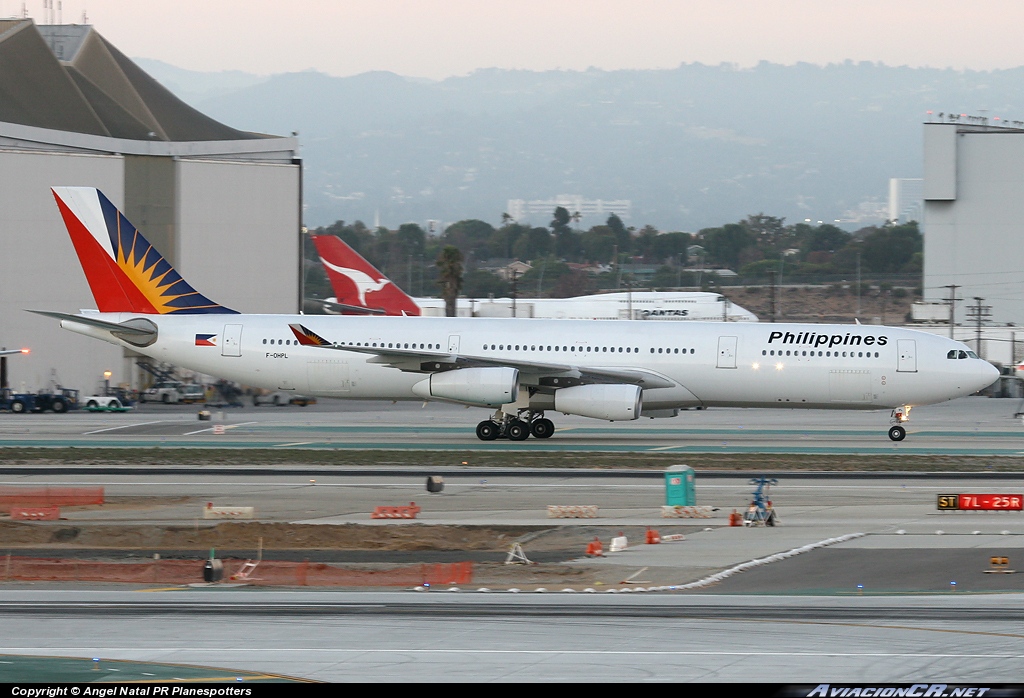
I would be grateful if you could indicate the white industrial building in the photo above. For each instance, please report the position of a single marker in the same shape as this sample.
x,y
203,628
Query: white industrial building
x,y
222,205
973,216
906,200
600,209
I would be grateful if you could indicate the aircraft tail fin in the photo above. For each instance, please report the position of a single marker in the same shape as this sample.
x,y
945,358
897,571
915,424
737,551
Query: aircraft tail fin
x,y
307,337
125,272
357,283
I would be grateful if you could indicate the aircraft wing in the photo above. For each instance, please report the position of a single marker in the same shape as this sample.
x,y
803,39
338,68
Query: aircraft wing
x,y
548,374
345,307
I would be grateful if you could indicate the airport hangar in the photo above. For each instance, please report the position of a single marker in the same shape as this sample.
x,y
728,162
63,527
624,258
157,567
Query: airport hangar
x,y
973,216
222,205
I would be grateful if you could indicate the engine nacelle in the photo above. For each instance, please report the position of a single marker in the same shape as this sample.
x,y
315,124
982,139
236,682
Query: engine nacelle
x,y
611,402
489,387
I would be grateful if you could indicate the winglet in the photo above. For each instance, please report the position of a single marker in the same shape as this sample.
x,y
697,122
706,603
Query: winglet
x,y
308,337
125,272
357,283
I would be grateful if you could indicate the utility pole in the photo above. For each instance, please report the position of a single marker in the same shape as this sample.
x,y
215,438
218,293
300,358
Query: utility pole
x,y
979,312
771,295
952,307
515,289
858,284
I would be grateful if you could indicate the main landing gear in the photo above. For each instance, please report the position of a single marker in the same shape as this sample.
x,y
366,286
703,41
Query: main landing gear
x,y
897,432
515,428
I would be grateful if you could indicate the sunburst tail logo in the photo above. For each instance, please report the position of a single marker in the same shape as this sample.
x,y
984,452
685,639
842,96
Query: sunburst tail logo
x,y
125,272
308,337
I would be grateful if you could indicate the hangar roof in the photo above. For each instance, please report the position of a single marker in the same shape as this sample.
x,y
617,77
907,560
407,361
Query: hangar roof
x,y
69,78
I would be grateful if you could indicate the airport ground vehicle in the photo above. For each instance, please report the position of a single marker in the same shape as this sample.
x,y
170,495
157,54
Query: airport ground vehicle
x,y
173,392
103,403
20,403
519,368
280,399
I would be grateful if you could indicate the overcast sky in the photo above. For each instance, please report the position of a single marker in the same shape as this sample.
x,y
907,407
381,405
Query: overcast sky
x,y
439,38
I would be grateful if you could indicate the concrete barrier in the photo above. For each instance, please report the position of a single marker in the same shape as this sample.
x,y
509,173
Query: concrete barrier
x,y
588,511
35,513
212,512
686,512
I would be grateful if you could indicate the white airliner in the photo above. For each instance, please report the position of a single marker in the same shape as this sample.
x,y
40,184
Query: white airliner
x,y
522,368
359,288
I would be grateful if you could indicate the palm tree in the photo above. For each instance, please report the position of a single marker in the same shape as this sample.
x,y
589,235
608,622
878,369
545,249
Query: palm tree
x,y
450,281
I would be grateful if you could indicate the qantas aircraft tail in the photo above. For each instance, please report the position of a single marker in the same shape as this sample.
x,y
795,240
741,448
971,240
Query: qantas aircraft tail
x,y
358,286
124,271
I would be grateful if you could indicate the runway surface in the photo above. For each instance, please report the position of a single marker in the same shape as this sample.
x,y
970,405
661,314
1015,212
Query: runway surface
x,y
970,426
555,638
863,579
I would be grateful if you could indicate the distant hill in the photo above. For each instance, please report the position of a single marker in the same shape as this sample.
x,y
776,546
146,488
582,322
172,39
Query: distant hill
x,y
692,147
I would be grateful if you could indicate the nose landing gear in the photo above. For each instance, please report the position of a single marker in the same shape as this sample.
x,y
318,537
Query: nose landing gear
x,y
515,428
897,432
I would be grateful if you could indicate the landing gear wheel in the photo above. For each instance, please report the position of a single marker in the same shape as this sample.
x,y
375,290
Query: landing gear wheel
x,y
517,430
897,433
542,428
487,430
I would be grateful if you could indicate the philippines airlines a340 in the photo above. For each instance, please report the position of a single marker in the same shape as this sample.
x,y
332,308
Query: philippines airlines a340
x,y
521,369
359,288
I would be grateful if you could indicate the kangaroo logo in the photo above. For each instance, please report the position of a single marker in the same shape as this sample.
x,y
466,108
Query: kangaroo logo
x,y
363,281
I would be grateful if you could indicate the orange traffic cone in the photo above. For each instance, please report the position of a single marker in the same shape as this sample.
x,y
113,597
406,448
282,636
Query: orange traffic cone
x,y
594,548
652,536
735,519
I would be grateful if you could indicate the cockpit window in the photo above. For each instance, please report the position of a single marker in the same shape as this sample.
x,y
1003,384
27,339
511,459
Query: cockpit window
x,y
951,354
972,355
962,355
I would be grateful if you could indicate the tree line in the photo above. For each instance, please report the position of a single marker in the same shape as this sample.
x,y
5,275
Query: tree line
x,y
568,261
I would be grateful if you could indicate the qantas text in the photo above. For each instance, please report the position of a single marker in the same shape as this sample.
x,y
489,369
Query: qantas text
x,y
814,339
669,312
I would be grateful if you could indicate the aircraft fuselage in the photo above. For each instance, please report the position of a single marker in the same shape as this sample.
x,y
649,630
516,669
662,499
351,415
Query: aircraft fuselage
x,y
708,364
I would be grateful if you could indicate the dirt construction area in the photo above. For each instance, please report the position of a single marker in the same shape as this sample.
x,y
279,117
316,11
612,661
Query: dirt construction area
x,y
307,555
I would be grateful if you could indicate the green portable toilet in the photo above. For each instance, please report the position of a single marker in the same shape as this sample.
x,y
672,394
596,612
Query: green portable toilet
x,y
680,486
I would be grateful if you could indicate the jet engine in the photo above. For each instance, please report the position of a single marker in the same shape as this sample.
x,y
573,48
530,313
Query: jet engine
x,y
611,402
488,387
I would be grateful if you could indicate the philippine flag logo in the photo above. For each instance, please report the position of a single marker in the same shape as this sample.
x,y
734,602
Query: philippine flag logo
x,y
206,340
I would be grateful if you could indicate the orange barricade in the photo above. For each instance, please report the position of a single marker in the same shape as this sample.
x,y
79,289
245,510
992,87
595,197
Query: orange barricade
x,y
23,513
402,512
272,572
49,496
